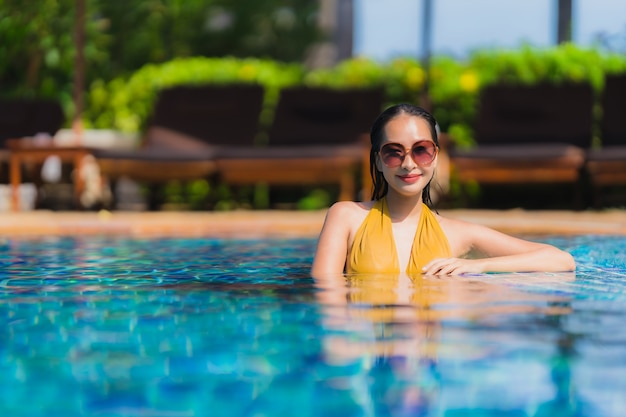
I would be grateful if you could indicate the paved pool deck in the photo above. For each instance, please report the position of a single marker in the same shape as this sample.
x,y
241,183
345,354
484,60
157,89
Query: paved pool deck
x,y
282,224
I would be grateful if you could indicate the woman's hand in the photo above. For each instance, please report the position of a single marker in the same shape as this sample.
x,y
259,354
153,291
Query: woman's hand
x,y
453,266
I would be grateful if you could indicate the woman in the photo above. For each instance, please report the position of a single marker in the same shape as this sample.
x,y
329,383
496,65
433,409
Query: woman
x,y
398,233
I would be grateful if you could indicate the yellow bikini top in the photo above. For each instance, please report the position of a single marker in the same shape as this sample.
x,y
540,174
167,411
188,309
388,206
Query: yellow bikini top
x,y
374,248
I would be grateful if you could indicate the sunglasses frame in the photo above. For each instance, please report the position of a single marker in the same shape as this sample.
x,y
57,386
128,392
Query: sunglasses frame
x,y
408,151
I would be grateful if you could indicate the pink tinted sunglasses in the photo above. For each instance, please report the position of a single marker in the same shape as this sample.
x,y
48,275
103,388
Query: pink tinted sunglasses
x,y
423,153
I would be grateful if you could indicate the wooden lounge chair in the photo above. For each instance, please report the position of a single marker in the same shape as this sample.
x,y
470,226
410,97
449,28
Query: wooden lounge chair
x,y
607,165
24,118
27,117
318,136
21,118
187,125
529,134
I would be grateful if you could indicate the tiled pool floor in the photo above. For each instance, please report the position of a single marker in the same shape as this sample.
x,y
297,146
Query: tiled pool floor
x,y
277,223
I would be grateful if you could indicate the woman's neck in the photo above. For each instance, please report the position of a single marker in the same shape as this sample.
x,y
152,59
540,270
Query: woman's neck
x,y
402,206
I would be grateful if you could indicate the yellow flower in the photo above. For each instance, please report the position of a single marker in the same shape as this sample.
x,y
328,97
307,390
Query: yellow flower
x,y
469,81
415,78
247,72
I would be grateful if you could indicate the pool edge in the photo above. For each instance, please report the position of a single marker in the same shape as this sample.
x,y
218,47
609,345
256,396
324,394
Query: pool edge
x,y
285,224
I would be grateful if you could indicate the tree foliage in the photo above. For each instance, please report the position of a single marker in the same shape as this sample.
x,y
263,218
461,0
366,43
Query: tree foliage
x,y
37,49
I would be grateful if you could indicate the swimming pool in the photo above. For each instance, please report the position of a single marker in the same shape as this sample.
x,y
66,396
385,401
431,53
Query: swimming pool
x,y
207,327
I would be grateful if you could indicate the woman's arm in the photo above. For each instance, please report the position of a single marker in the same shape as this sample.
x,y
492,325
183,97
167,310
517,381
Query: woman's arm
x,y
332,246
499,253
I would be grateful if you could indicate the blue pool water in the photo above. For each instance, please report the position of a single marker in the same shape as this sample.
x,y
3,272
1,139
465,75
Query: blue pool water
x,y
199,327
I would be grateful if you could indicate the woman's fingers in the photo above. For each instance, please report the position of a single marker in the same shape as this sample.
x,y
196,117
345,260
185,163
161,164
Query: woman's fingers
x,y
451,266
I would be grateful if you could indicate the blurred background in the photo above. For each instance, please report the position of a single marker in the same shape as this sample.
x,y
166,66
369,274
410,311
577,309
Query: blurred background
x,y
105,62
383,30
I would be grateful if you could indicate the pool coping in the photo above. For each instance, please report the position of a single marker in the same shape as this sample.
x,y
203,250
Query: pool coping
x,y
283,223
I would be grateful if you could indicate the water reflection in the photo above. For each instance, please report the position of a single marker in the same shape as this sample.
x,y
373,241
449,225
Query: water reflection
x,y
419,302
407,329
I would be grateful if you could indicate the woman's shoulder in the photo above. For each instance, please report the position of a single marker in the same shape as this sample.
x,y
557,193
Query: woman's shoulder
x,y
350,213
346,207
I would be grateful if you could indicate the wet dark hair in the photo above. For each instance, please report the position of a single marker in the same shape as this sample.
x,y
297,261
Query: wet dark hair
x,y
377,135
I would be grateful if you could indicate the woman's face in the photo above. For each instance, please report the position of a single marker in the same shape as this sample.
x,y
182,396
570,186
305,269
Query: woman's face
x,y
410,136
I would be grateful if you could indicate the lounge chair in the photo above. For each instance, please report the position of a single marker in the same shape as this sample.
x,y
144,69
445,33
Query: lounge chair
x,y
187,125
24,118
607,165
27,117
529,134
318,136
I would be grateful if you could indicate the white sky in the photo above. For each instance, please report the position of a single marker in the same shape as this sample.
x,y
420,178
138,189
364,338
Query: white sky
x,y
387,28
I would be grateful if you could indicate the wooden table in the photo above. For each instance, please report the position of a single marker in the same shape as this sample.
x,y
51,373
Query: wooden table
x,y
30,150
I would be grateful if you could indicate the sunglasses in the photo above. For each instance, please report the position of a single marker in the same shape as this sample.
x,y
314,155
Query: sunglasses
x,y
423,153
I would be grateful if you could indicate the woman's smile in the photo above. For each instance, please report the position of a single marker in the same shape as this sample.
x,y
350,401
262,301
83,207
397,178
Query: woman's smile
x,y
410,178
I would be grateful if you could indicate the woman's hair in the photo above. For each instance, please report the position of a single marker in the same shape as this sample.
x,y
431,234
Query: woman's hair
x,y
377,136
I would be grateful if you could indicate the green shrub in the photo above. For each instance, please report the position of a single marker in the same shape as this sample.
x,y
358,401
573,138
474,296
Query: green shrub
x,y
356,72
402,79
125,104
455,86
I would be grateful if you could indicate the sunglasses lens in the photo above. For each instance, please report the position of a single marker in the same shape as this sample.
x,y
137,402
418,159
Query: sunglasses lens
x,y
392,155
423,153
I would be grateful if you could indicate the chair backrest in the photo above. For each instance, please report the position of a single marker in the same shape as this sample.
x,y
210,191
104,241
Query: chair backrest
x,y
613,122
215,114
27,117
543,113
323,116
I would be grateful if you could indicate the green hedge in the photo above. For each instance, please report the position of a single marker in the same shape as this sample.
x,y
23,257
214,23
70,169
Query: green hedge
x,y
454,85
125,104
